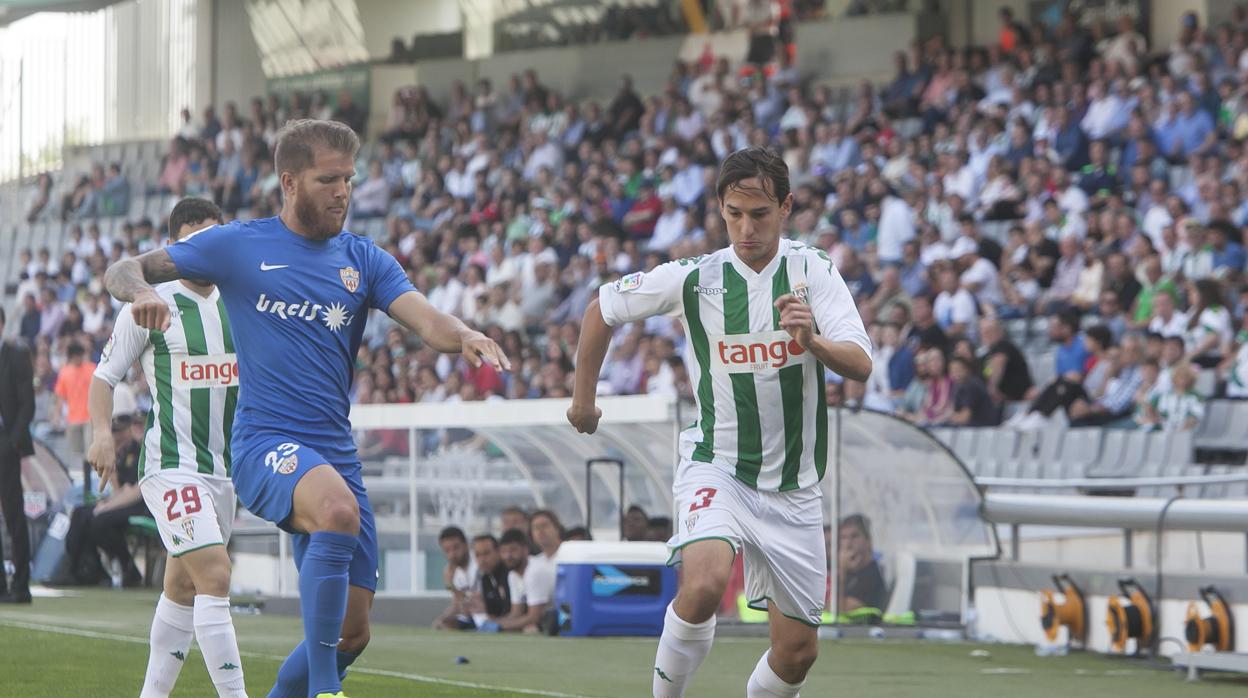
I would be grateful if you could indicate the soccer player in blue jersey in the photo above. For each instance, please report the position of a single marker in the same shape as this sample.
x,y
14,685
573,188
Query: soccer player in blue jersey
x,y
298,289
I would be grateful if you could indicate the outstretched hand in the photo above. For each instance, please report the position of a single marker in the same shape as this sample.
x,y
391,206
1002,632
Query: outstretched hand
x,y
480,349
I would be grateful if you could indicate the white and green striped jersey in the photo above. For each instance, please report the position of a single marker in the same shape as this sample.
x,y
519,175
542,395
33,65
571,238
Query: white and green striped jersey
x,y
192,373
761,401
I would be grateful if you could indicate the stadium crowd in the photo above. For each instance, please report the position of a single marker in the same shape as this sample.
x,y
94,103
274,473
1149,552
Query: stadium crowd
x,y
1071,176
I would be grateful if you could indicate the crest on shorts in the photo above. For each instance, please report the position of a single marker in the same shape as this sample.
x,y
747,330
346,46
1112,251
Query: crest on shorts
x,y
691,522
288,464
350,278
34,504
188,527
802,292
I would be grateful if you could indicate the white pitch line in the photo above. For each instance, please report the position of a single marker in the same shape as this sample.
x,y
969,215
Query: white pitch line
x,y
94,635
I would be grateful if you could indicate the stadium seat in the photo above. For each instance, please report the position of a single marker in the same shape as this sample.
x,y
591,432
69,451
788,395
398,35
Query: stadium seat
x,y
1079,450
142,530
964,443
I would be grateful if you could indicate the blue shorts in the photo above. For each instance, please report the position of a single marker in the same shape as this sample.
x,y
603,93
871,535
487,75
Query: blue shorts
x,y
266,468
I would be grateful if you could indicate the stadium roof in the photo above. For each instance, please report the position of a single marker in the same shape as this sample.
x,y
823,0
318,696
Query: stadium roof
x,y
13,10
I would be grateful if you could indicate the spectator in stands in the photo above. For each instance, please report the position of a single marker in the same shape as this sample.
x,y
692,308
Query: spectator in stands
x,y
115,194
659,529
1006,373
371,198
460,578
860,583
103,525
51,313
636,523
1179,408
1113,402
1209,324
1166,320
72,382
500,591
972,406
955,309
349,113
539,587
28,327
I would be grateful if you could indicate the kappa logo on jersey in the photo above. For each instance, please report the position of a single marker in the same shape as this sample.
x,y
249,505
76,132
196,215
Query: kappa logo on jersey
x,y
350,278
759,351
709,290
216,371
333,316
283,459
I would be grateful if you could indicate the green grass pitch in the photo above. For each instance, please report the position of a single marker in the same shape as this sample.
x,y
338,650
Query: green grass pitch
x,y
94,643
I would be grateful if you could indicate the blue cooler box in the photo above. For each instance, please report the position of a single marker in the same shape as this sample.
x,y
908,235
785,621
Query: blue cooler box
x,y
613,588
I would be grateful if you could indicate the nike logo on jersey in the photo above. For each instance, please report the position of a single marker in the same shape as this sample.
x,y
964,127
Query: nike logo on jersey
x,y
271,267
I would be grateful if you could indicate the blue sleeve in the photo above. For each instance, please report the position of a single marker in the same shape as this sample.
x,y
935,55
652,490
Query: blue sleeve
x,y
207,254
386,279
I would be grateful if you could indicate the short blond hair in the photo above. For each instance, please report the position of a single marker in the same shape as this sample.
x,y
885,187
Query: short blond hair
x,y
298,139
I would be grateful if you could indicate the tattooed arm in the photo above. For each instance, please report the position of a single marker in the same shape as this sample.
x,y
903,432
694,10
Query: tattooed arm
x,y
130,280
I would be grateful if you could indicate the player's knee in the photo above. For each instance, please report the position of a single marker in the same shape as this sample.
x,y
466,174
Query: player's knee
x,y
214,579
354,641
701,594
341,515
796,657
180,589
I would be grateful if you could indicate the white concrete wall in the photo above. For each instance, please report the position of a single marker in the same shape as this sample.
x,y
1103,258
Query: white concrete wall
x,y
385,19
236,59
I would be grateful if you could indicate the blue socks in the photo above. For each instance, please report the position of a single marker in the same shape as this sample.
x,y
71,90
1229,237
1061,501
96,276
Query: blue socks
x,y
292,677
323,603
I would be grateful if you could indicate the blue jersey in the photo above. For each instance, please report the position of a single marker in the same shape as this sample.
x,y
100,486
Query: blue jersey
x,y
297,310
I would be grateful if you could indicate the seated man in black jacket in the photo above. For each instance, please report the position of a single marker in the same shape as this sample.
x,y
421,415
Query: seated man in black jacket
x,y
861,584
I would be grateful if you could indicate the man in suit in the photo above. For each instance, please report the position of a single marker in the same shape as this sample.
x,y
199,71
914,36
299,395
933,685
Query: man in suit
x,y
17,409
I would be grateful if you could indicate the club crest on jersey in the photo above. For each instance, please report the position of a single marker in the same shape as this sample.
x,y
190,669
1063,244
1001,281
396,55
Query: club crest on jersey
x,y
802,292
283,459
350,278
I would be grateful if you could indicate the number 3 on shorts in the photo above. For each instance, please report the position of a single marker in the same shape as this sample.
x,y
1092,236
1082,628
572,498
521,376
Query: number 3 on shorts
x,y
706,494
190,502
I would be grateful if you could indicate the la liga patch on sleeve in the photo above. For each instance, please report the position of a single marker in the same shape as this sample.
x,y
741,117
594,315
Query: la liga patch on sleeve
x,y
628,283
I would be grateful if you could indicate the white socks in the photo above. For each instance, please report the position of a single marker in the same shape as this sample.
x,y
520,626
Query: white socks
x,y
172,628
214,631
682,648
765,684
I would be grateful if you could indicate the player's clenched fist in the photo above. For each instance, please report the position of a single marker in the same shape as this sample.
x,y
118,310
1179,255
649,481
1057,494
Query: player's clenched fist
x,y
150,311
584,417
795,317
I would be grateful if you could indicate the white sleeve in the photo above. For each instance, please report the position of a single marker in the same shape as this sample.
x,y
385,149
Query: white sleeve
x,y
539,584
124,347
516,583
964,310
644,294
836,316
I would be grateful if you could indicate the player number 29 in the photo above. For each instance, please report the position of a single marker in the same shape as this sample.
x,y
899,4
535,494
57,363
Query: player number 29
x,y
703,498
190,502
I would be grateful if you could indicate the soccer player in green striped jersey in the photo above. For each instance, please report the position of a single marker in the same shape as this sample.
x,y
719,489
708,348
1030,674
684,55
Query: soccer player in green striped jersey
x,y
184,465
763,318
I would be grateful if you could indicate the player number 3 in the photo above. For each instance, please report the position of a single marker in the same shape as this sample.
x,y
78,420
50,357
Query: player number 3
x,y
706,494
190,502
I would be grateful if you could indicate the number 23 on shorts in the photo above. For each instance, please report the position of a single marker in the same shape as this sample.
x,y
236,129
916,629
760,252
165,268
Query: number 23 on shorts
x,y
190,501
702,498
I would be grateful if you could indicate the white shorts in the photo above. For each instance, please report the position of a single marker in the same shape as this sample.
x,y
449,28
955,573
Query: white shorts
x,y
191,511
779,534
